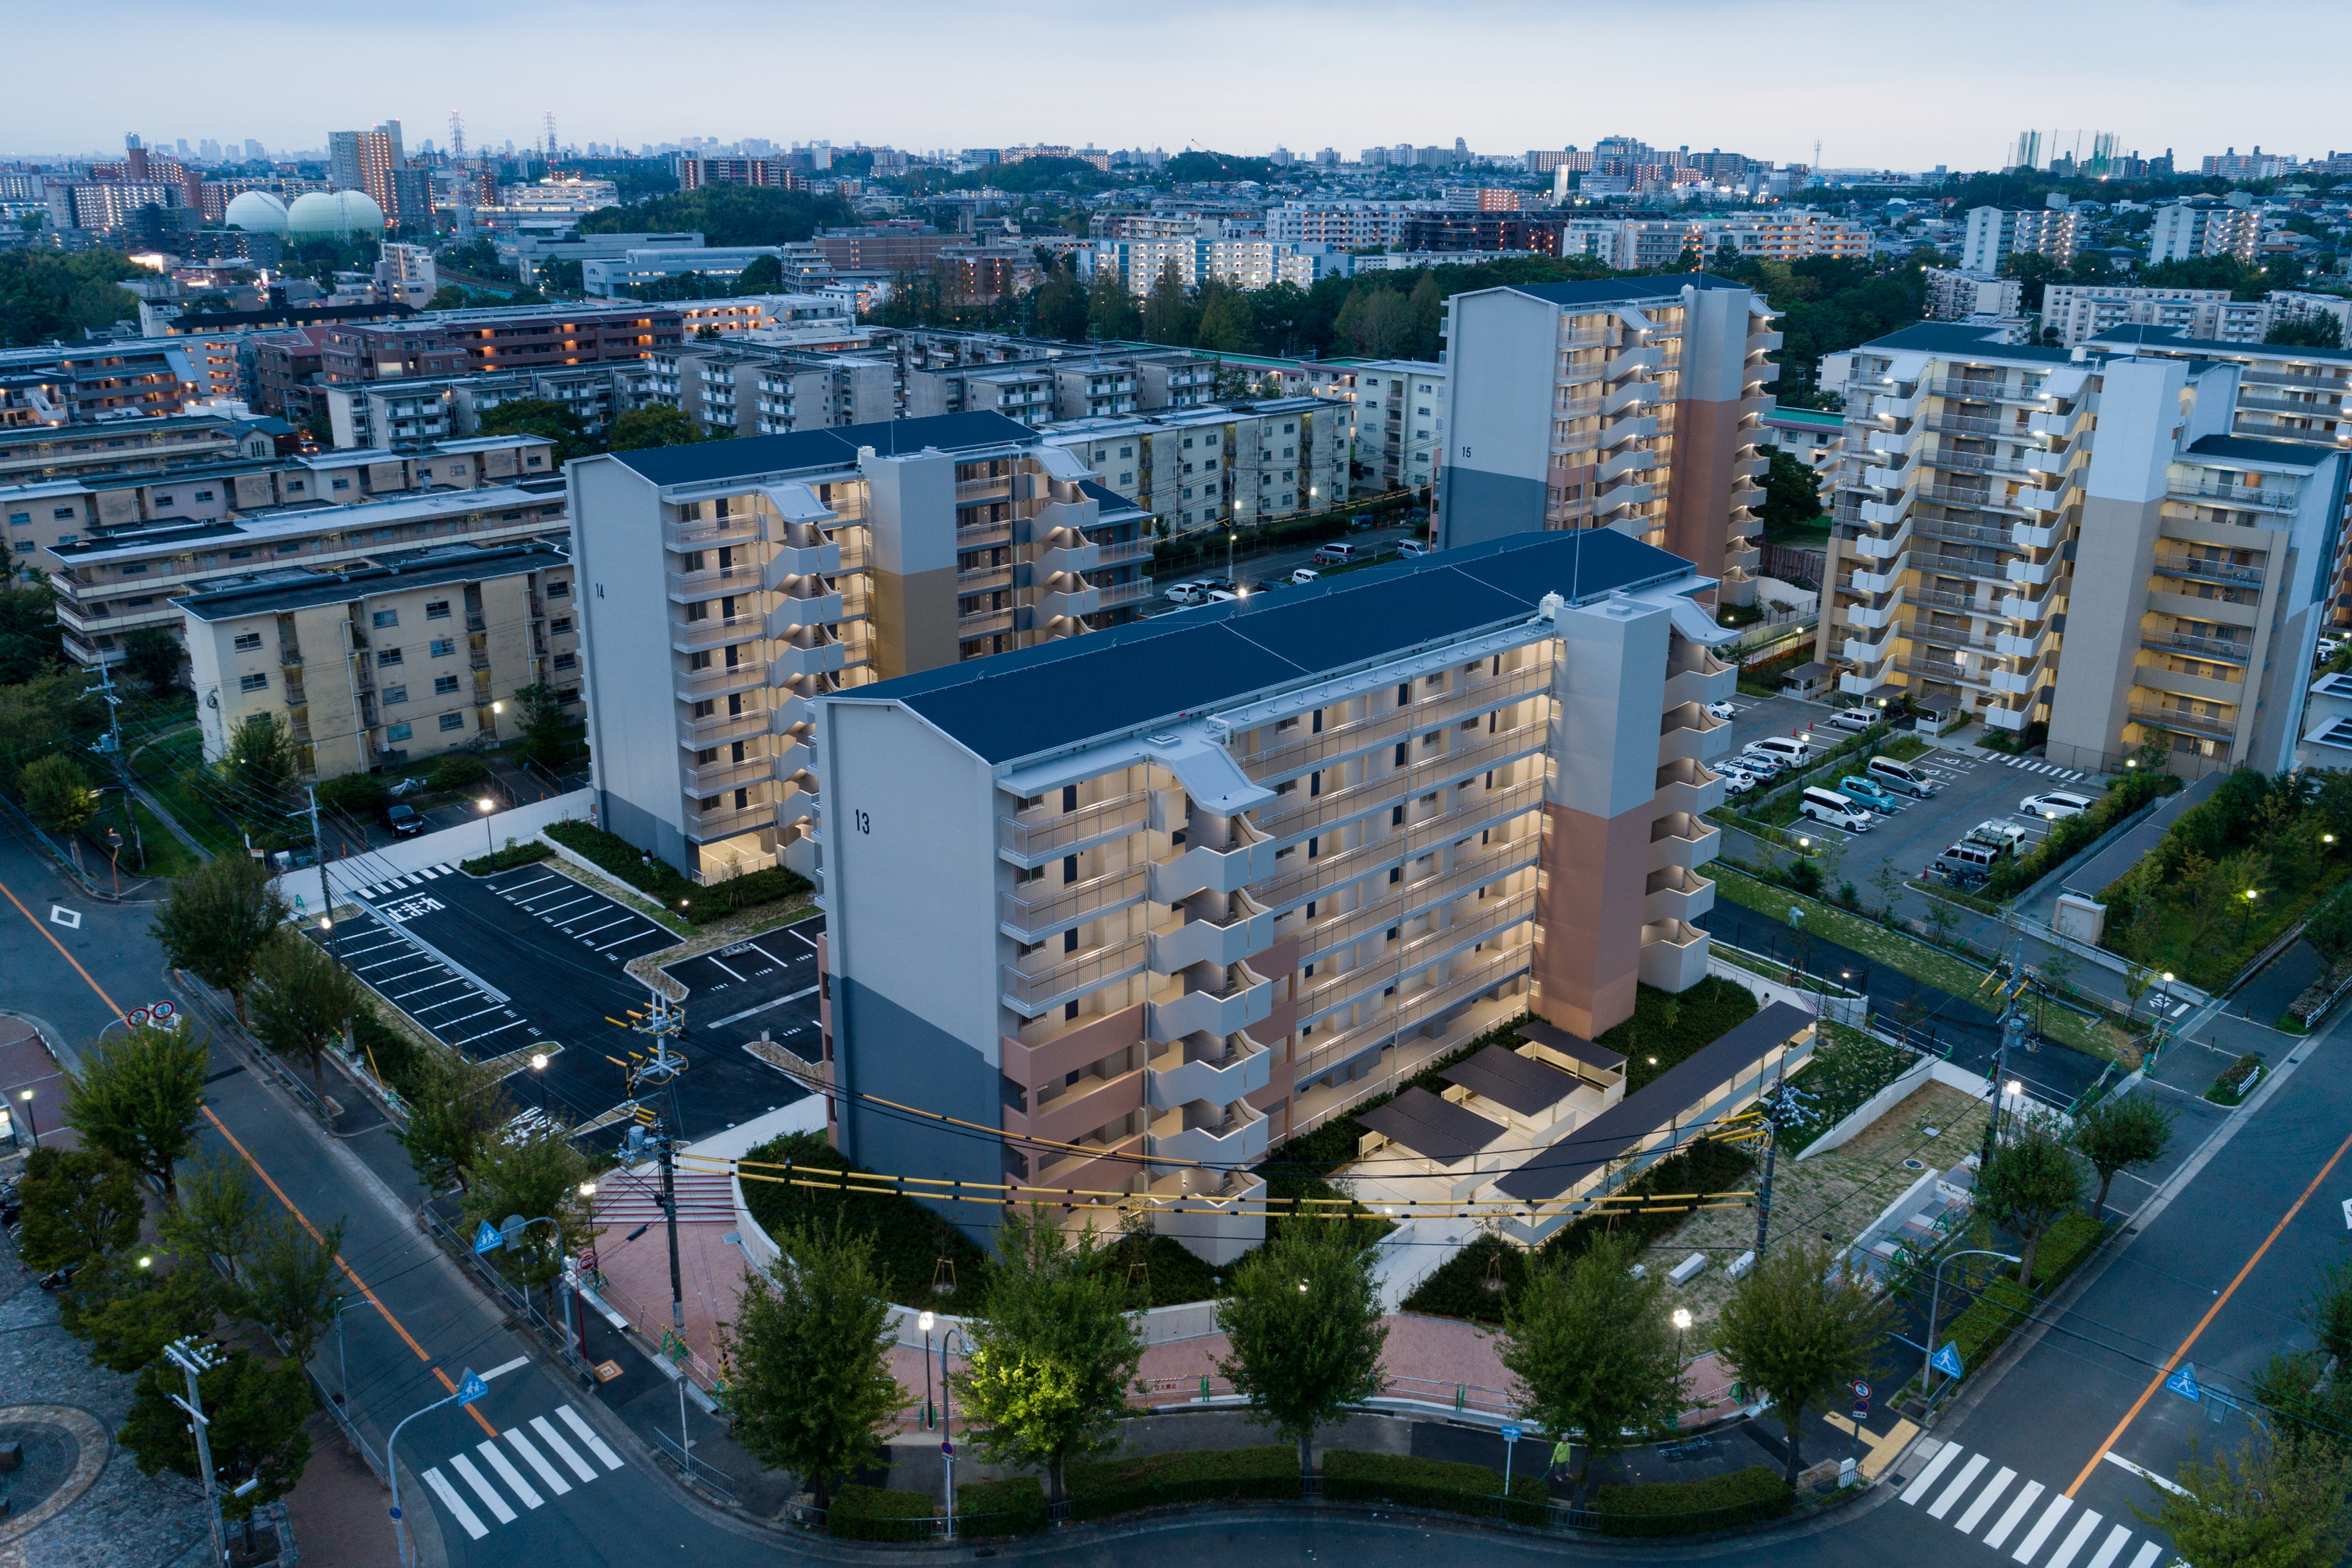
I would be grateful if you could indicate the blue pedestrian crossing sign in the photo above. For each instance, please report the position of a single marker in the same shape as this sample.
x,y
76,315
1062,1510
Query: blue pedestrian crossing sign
x,y
1946,1361
2184,1382
1510,1434
487,1239
471,1389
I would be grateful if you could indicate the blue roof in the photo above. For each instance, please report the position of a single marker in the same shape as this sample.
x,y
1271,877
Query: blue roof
x,y
1611,291
1016,705
712,460
1959,338
2253,449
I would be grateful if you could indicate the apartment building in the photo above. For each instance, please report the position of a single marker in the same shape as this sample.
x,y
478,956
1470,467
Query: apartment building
x,y
732,584
2185,231
1147,903
1400,426
122,380
1953,295
59,451
417,411
1976,521
529,337
1630,404
113,583
1059,384
748,388
530,252
1996,234
1225,464
619,276
2079,311
404,656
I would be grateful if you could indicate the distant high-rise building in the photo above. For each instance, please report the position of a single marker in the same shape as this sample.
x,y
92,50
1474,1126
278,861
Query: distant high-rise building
x,y
371,161
254,149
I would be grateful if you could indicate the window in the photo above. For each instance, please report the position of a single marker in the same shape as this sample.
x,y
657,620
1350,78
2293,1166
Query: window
x,y
23,547
1126,451
396,694
20,517
135,569
291,547
295,487
240,555
444,685
248,642
398,733
705,707
164,500
63,513
438,610
1128,477
386,618
560,625
567,660
389,655
253,683
342,484
558,590
453,720
1188,443
444,647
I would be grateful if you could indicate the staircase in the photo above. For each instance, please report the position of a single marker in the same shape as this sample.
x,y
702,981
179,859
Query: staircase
x,y
628,1199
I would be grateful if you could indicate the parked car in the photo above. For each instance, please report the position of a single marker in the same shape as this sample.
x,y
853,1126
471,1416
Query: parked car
x,y
1853,786
1186,593
1965,864
1412,547
1736,781
2007,838
1901,777
1794,750
2056,804
1225,583
1337,554
1220,596
1304,576
1853,720
402,820
1826,806
1723,709
1763,764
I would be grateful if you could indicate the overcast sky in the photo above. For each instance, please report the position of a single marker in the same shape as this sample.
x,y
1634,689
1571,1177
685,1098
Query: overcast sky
x,y
1907,86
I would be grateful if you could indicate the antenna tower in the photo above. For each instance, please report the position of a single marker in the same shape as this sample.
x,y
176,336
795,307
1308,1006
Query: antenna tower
x,y
550,135
457,137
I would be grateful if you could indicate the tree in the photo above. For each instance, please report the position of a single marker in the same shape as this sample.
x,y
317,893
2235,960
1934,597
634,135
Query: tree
x,y
1796,1327
2280,1504
126,1308
153,655
654,424
1594,1352
539,1178
79,1204
454,1106
29,629
294,1285
139,1097
2117,1133
217,1217
57,795
548,737
1226,323
764,275
1792,493
2033,1180
1053,1350
1167,312
2329,933
254,1412
301,1000
1424,317
1305,1324
812,1391
1110,308
217,919
263,759
1059,306
448,297
2315,331
540,416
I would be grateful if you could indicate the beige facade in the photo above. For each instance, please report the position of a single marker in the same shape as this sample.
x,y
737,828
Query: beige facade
x,y
1219,465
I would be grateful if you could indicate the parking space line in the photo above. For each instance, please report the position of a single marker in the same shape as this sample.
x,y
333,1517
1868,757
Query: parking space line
x,y
639,937
426,968
804,937
598,930
484,1013
486,1034
585,898
715,960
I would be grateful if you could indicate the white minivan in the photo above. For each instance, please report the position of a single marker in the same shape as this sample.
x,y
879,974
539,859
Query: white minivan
x,y
1793,751
1826,806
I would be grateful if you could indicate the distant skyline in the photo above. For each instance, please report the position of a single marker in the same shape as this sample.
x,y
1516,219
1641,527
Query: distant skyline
x,y
1877,86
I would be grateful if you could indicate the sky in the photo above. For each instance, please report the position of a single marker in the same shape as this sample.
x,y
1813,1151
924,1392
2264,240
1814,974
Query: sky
x,y
1876,84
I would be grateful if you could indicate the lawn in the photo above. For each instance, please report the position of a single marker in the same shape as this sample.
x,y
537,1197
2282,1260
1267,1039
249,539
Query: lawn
x,y
166,856
162,767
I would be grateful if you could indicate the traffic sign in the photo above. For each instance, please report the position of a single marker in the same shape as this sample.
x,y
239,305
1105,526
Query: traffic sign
x,y
2184,1382
2347,1213
163,1012
1861,1389
1510,1434
1946,1360
949,1449
487,1239
138,1018
472,1388
396,1513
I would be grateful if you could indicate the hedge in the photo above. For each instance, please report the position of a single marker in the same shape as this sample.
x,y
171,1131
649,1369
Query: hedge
x,y
1350,1476
1690,1507
876,1514
2070,835
508,858
1099,1487
1014,1506
2002,1305
2231,1087
910,1240
610,852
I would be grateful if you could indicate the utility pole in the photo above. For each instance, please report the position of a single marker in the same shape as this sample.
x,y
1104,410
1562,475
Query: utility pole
x,y
193,1357
113,745
665,1149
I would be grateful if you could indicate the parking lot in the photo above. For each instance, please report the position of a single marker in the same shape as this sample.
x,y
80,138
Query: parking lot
x,y
529,961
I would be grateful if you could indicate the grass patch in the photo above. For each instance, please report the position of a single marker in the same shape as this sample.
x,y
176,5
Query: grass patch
x,y
2236,1081
1350,1476
911,1242
1692,1508
1847,1068
2070,835
2004,1306
667,885
163,767
1099,1487
165,855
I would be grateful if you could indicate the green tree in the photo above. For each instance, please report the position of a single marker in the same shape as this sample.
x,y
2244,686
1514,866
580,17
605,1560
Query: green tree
x,y
57,795
548,737
2307,332
153,655
2033,1179
1059,306
764,275
139,1097
218,1217
293,1283
1425,316
29,629
725,215
1111,311
126,1307
1796,1327
812,1391
1594,1352
1168,314
2117,1133
301,999
448,297
1305,1325
263,761
254,1413
2276,1504
1792,493
1226,323
560,275
540,416
454,1108
539,1178
217,919
1053,1349
79,1204
654,424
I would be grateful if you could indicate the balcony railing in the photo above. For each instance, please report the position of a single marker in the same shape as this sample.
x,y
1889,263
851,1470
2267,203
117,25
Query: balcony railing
x,y
2269,498
2198,568
1032,993
2209,647
1319,876
1286,757
1957,565
1065,833
2210,724
1035,910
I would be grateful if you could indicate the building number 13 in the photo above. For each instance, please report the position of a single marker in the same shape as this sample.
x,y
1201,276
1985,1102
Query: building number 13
x,y
864,822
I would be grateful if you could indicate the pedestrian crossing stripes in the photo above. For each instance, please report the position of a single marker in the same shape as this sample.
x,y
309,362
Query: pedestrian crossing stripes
x,y
407,879
1951,1479
2051,768
533,1447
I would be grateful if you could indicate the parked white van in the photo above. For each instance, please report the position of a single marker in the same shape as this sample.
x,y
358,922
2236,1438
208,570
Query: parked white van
x,y
1795,751
1826,806
1337,554
1901,777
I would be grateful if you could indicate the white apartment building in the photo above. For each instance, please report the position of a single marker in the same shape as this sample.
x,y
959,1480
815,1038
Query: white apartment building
x,y
745,387
1145,904
1220,465
1631,404
422,410
1348,225
1400,428
605,277
1996,234
2187,567
1953,295
405,275
2079,311
2185,231
401,656
728,585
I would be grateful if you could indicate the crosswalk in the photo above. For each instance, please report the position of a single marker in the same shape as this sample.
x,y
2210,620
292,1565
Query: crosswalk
x,y
396,883
1955,1488
2032,765
532,1447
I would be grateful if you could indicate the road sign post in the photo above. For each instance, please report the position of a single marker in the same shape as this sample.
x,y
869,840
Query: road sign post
x,y
1510,1442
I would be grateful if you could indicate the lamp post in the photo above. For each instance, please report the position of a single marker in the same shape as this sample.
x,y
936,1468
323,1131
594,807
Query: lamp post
x,y
946,1417
1681,1327
470,1388
486,806
1928,1368
2246,912
924,1323
31,1130
539,1071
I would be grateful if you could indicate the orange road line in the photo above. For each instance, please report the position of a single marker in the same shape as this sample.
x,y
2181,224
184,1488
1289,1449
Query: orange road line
x,y
2210,1312
273,1186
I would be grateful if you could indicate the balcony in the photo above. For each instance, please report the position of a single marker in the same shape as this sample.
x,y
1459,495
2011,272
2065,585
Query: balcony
x,y
720,680
1688,733
1634,361
741,528
1674,955
1958,565
2216,726
1977,675
1121,554
1216,1072
791,661
1702,685
2034,573
721,728
2234,650
1180,945
1119,595
715,778
1038,835
1083,557
1203,869
792,757
713,631
1241,998
1964,532
1686,843
1034,910
983,623
1675,894
1688,787
711,582
2264,498
1231,1136
796,610
2026,536
1030,991
1081,601
2199,570
800,561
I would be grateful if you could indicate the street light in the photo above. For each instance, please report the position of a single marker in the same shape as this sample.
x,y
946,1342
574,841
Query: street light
x,y
1682,1326
539,1065
1927,1369
925,1324
946,1417
31,1130
470,1388
486,806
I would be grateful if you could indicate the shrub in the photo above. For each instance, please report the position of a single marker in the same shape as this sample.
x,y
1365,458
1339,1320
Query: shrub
x,y
2070,835
508,858
1691,1508
359,793
1099,1487
458,770
1014,1506
1350,1476
876,1514
612,853
2236,1078
910,1240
